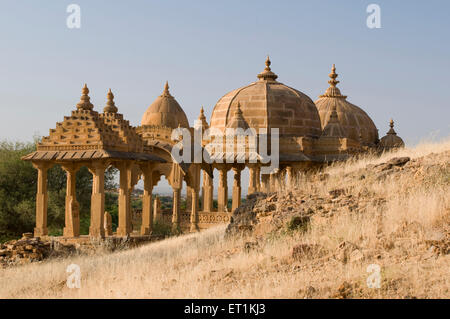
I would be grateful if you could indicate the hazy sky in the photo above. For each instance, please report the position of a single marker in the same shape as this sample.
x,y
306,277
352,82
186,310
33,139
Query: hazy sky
x,y
208,48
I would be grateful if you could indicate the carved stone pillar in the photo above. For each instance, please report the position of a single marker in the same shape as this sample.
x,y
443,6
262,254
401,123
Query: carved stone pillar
x,y
252,179
272,182
176,209
289,177
265,183
124,227
194,210
156,210
72,209
189,191
96,228
236,188
207,193
41,200
258,178
147,218
108,224
222,199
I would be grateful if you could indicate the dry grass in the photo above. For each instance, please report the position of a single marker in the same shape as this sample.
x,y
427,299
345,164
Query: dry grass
x,y
205,265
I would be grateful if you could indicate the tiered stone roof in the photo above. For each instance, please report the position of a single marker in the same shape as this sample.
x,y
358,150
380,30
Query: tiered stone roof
x,y
86,134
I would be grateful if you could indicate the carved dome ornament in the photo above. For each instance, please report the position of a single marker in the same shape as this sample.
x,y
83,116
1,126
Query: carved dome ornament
x,y
85,100
355,122
110,105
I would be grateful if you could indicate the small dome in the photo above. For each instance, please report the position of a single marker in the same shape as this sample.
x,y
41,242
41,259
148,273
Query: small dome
x,y
165,111
391,140
268,103
356,124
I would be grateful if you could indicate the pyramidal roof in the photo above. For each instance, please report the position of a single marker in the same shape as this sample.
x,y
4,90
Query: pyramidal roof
x,y
86,134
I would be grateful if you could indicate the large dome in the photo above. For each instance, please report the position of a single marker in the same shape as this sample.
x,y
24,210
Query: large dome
x,y
165,111
354,121
268,103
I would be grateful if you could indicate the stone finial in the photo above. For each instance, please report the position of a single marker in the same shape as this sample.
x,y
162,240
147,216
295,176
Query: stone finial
x,y
85,103
333,91
166,90
333,75
267,74
202,119
238,121
391,130
110,105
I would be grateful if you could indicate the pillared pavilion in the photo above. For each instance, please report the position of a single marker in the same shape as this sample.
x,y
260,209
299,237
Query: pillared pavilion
x,y
311,134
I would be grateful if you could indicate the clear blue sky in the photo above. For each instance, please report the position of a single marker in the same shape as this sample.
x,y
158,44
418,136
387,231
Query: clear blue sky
x,y
207,48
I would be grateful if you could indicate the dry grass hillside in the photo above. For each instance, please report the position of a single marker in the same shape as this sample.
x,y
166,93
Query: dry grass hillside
x,y
315,240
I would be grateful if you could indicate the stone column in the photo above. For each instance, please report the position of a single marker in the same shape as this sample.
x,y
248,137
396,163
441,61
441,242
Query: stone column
x,y
207,193
236,188
156,210
194,210
252,179
189,192
108,224
147,217
72,211
176,209
272,182
258,178
124,227
96,228
265,181
41,200
289,177
222,199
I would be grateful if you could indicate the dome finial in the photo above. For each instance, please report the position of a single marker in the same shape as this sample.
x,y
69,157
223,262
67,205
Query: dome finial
x,y
268,63
391,130
110,105
166,89
202,119
333,91
333,75
267,74
202,114
85,103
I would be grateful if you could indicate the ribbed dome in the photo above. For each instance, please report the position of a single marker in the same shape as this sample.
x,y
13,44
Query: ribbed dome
x,y
268,103
354,121
165,111
391,140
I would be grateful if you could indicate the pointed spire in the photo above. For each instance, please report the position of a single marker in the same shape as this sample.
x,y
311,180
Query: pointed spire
x,y
333,128
110,105
202,114
238,111
202,119
333,91
238,121
85,103
333,75
267,74
391,130
166,89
